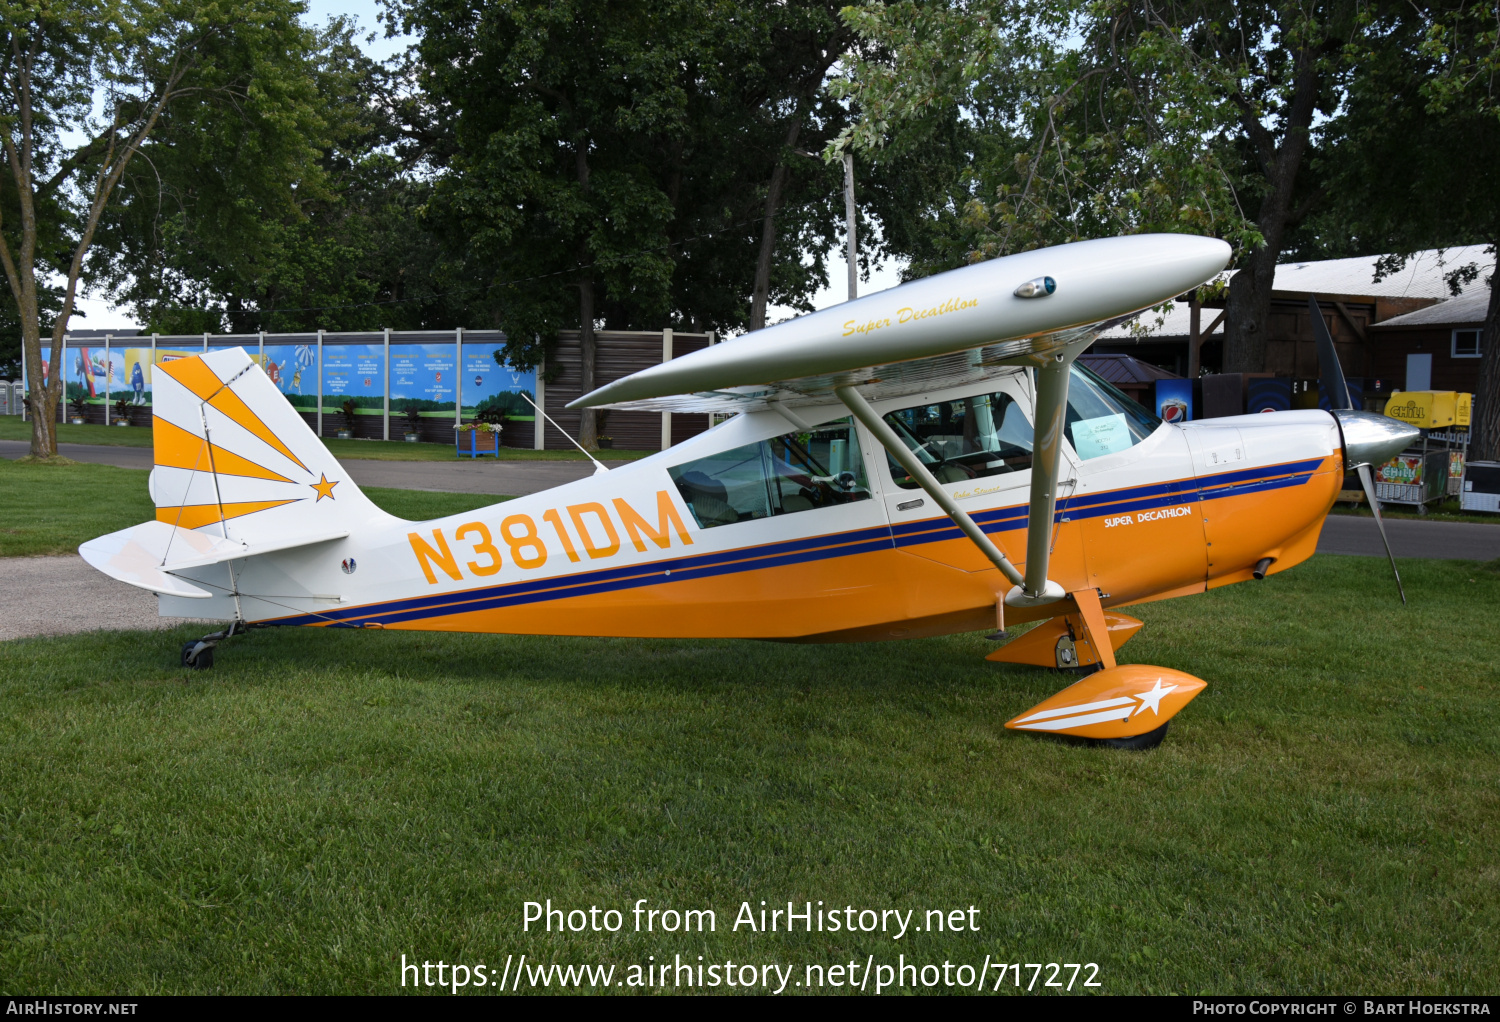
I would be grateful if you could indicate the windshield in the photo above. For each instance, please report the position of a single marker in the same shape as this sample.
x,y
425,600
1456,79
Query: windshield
x,y
1101,419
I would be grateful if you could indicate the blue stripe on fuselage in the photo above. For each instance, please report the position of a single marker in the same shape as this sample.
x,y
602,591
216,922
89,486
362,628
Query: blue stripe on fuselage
x,y
816,548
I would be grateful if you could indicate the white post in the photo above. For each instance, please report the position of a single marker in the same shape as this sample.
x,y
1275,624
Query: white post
x,y
538,438
320,384
849,226
61,365
458,376
260,350
386,431
205,342
666,417
151,379
108,372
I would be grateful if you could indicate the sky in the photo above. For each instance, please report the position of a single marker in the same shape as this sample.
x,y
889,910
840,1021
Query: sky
x,y
99,314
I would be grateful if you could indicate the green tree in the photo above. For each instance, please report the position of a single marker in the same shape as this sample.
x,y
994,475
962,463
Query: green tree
x,y
138,60
232,221
1114,116
628,163
1415,160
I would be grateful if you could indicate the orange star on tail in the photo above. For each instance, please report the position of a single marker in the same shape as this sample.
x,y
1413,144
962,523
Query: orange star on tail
x,y
324,487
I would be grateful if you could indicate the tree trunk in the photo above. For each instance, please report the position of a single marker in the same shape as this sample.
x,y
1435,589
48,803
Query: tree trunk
x,y
1248,310
588,431
41,401
1485,429
774,191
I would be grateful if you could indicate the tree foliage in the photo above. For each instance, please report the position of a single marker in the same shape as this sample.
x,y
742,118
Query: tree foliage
x,y
1071,133
627,163
286,210
137,60
1414,161
1101,117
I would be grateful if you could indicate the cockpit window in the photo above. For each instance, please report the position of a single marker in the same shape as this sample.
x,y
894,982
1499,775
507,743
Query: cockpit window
x,y
967,438
783,475
1101,419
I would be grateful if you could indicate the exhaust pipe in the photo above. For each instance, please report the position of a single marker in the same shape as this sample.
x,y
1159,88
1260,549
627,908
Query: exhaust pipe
x,y
1261,567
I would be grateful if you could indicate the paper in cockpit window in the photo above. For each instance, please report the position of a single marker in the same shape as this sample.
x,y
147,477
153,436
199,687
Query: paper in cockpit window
x,y
1106,434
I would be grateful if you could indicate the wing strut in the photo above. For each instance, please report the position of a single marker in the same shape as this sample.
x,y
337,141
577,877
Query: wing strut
x,y
1046,455
1034,588
856,403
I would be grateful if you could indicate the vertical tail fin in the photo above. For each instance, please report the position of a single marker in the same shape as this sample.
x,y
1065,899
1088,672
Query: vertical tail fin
x,y
234,459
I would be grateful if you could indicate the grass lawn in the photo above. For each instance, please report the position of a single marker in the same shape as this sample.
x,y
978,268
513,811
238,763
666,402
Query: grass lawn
x,y
51,509
1324,818
12,428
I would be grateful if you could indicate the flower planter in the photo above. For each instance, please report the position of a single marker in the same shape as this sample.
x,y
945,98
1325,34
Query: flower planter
x,y
345,434
605,443
475,442
411,438
122,422
77,420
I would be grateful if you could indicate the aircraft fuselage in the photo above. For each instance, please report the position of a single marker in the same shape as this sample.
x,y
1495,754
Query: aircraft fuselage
x,y
626,553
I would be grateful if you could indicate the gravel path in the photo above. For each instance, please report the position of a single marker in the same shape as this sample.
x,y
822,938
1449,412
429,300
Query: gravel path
x,y
63,595
1467,541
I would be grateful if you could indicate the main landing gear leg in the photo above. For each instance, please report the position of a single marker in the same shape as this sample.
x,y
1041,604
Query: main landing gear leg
x,y
1067,642
1121,706
199,655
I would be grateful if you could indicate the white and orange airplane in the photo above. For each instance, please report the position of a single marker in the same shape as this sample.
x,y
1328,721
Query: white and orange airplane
x,y
922,461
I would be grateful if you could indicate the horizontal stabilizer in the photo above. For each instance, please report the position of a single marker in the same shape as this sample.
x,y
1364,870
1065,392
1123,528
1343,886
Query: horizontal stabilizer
x,y
146,555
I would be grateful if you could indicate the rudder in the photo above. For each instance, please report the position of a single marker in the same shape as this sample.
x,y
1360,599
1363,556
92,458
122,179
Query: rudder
x,y
234,458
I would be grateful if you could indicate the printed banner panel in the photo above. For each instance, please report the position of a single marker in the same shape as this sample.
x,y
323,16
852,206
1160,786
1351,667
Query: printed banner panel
x,y
125,372
423,378
1174,400
294,370
46,366
354,372
488,384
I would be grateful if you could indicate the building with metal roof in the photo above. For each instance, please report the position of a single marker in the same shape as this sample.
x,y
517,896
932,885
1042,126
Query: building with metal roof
x,y
1354,305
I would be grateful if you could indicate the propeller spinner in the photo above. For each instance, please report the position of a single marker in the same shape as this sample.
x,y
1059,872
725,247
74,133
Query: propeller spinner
x,y
1369,439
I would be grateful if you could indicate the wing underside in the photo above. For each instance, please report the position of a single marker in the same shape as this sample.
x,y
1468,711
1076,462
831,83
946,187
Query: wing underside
x,y
878,382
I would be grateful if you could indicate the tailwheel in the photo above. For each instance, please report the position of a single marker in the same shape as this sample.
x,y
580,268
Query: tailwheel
x,y
198,655
1149,740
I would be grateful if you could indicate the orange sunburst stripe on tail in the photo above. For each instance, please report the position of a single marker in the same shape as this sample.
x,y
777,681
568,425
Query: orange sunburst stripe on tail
x,y
197,377
177,448
193,516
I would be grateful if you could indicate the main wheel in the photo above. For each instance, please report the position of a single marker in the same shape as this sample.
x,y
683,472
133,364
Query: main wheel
x,y
202,662
1149,740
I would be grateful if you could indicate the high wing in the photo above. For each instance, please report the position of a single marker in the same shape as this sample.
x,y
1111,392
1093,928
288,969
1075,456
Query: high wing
x,y
1039,309
956,327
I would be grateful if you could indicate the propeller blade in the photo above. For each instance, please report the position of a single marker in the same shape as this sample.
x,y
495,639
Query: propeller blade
x,y
1328,360
1367,480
